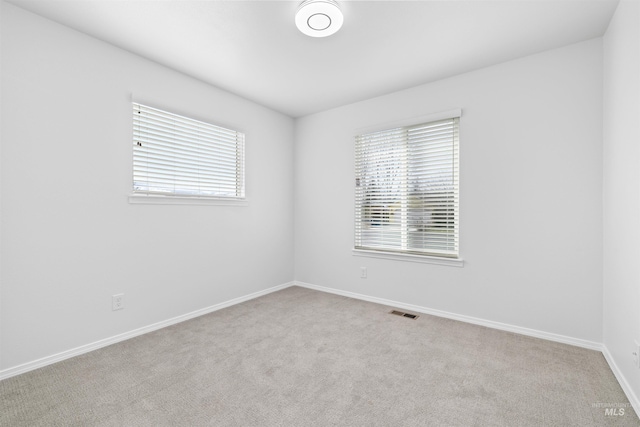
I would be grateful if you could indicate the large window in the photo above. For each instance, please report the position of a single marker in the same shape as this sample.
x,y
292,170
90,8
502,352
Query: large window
x,y
407,189
178,156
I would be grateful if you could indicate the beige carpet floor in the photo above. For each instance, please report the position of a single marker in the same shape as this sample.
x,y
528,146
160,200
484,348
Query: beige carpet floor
x,y
304,358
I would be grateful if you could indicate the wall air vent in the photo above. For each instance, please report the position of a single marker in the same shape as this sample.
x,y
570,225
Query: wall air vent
x,y
403,314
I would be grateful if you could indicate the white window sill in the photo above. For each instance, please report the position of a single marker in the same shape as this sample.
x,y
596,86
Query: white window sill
x,y
149,199
452,262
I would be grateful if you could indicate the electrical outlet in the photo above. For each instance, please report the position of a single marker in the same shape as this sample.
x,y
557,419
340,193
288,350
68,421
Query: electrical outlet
x,y
636,354
117,302
363,272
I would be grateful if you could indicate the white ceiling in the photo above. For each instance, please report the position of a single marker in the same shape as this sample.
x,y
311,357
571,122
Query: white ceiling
x,y
253,49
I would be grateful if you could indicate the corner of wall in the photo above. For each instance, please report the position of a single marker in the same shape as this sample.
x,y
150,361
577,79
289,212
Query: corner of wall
x,y
621,196
1,296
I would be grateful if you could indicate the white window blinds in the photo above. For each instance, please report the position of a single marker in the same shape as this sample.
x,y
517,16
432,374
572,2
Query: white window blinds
x,y
407,189
178,156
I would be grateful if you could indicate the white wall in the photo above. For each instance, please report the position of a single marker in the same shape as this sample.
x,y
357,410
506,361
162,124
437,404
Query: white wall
x,y
530,198
1,299
622,190
70,239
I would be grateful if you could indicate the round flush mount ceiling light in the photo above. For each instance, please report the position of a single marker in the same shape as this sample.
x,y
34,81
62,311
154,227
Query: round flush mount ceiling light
x,y
319,18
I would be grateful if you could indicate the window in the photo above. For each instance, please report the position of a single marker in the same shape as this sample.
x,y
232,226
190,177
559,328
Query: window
x,y
407,190
178,156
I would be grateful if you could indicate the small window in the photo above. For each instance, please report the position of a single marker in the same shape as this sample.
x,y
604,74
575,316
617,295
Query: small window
x,y
406,190
178,156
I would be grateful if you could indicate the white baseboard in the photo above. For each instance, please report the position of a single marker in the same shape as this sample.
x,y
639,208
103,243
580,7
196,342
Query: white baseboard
x,y
29,366
633,399
48,360
592,345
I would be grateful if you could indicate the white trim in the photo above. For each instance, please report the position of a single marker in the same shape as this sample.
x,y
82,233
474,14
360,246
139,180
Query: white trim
x,y
441,115
592,345
633,399
30,366
153,199
48,360
453,262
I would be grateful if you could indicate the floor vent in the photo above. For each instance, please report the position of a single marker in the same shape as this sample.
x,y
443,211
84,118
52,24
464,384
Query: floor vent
x,y
403,314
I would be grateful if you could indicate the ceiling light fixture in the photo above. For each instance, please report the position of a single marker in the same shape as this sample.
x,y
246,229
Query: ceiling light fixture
x,y
319,18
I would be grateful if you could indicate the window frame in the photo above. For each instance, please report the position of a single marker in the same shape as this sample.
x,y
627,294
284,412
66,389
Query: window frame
x,y
152,197
409,255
